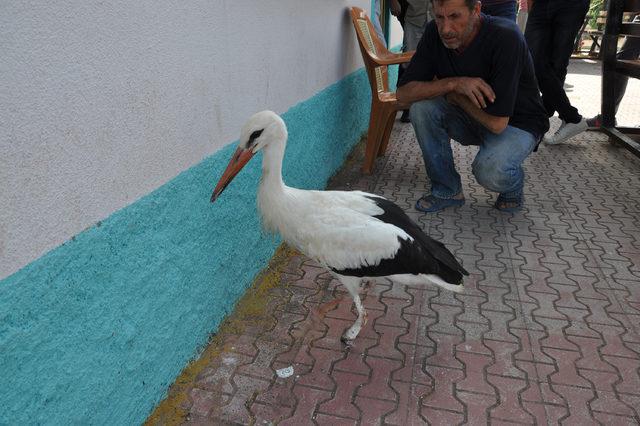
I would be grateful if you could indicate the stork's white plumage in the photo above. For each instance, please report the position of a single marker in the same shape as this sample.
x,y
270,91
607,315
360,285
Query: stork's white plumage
x,y
355,235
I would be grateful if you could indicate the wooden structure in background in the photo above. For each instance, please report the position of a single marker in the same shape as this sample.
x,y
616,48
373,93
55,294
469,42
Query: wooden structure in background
x,y
612,67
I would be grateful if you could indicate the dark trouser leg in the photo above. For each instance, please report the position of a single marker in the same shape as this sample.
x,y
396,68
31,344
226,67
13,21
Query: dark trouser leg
x,y
538,35
568,19
504,10
559,22
630,50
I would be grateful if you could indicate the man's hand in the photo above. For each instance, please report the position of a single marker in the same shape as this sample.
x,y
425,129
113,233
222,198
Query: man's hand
x,y
475,89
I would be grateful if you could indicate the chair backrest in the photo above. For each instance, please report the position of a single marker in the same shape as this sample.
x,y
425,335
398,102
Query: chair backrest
x,y
371,47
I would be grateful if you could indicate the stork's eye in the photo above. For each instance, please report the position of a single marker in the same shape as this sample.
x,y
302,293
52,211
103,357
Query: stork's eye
x,y
255,135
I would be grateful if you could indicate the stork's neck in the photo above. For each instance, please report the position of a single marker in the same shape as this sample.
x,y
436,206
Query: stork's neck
x,y
272,182
273,201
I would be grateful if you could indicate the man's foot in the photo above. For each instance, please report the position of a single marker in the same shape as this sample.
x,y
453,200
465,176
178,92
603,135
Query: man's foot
x,y
430,203
509,205
595,123
566,131
404,118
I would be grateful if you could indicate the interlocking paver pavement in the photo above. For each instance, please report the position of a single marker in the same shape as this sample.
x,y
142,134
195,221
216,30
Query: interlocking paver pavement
x,y
546,332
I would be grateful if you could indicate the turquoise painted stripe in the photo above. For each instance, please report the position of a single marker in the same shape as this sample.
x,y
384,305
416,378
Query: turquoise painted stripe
x,y
97,329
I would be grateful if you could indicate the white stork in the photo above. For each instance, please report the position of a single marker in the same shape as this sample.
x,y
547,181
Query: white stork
x,y
357,236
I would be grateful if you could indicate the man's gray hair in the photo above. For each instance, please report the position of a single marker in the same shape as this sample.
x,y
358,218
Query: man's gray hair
x,y
470,3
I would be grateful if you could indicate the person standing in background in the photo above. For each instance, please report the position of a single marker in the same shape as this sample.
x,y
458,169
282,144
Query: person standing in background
x,y
413,16
502,8
418,13
629,51
376,22
551,32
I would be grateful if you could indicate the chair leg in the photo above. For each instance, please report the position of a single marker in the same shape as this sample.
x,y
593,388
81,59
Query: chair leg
x,y
608,98
595,44
373,138
390,118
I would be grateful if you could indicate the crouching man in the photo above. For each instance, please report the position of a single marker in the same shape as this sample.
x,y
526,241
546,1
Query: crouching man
x,y
472,80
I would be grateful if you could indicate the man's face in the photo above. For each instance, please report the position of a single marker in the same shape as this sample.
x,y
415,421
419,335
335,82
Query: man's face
x,y
455,22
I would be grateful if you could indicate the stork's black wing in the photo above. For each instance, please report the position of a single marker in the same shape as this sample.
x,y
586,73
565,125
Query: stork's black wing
x,y
423,255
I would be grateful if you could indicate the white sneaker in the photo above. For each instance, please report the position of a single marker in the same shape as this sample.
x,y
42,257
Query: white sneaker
x,y
566,131
548,138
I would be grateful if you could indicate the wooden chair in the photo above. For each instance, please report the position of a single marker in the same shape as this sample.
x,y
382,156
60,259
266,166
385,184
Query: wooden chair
x,y
595,34
384,105
612,67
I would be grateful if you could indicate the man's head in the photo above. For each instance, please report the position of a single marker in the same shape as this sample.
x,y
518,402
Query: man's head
x,y
457,21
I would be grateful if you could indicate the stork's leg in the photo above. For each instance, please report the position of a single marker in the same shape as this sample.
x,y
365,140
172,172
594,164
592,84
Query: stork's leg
x,y
352,285
367,284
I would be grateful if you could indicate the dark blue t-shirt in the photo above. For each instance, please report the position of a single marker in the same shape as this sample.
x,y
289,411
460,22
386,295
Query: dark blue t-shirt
x,y
500,56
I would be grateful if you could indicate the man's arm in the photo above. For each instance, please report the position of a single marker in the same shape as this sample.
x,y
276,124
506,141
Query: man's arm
x,y
474,88
470,94
493,123
415,91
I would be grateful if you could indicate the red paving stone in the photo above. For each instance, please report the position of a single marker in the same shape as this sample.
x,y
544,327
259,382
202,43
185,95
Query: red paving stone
x,y
546,332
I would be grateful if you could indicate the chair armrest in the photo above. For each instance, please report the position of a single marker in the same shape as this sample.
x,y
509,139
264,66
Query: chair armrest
x,y
391,58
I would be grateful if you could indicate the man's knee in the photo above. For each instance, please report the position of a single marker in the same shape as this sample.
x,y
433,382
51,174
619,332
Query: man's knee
x,y
494,176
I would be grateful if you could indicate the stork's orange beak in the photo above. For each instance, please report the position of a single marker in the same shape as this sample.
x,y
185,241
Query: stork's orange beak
x,y
237,162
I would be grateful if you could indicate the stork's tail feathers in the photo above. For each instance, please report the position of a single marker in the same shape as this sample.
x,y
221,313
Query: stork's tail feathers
x,y
457,288
428,279
451,276
449,271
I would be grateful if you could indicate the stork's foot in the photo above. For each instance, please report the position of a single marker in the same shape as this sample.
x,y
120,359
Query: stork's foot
x,y
349,336
348,343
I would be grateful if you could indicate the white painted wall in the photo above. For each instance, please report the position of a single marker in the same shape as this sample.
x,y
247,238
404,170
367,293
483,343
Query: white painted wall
x,y
101,102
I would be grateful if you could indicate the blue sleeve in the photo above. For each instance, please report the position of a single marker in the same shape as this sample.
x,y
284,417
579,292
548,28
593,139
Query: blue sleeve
x,y
507,64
